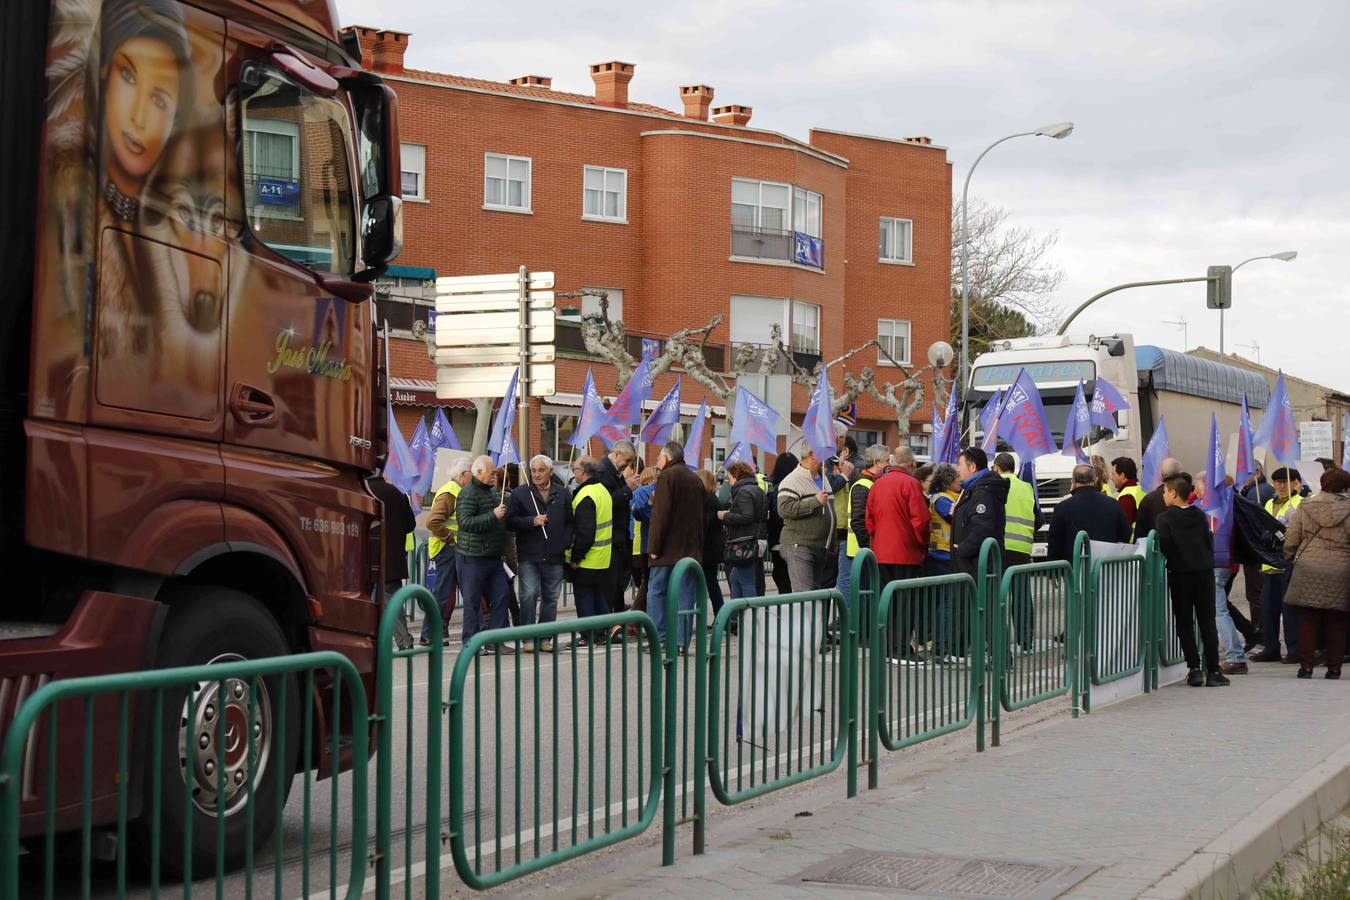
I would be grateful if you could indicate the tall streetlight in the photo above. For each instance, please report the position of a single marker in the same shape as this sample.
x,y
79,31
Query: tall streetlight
x,y
1283,256
1059,130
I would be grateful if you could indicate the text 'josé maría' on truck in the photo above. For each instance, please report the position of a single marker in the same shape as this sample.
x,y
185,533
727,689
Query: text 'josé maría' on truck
x,y
1154,381
197,199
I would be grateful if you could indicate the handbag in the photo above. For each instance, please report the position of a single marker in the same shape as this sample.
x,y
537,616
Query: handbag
x,y
740,550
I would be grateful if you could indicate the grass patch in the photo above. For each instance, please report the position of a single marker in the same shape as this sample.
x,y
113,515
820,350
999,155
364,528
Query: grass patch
x,y
1325,865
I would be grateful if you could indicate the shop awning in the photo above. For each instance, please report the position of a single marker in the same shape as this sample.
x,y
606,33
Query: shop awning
x,y
421,273
420,392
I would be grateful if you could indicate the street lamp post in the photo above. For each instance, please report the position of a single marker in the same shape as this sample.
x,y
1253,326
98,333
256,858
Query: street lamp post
x,y
1283,256
1058,131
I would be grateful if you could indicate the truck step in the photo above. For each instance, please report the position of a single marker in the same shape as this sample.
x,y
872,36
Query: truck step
x,y
18,631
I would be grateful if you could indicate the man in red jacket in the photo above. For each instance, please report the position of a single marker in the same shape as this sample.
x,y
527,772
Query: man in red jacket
x,y
897,526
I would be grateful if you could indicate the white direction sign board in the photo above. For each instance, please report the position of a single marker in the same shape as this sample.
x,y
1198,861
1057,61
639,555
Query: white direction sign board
x,y
479,329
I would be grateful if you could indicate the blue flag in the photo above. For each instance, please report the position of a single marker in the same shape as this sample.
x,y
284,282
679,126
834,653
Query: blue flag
x,y
1345,443
424,456
989,416
400,466
693,443
627,407
950,449
442,435
1277,432
1106,401
1022,422
592,414
1077,428
501,424
755,422
1156,451
1218,498
818,425
663,419
739,453
1245,464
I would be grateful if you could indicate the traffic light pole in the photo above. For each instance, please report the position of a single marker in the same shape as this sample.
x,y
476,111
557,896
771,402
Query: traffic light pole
x,y
1120,287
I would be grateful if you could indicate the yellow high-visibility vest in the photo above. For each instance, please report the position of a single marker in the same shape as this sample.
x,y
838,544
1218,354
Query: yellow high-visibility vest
x,y
434,544
939,529
1019,530
601,549
637,538
852,547
1282,512
1138,494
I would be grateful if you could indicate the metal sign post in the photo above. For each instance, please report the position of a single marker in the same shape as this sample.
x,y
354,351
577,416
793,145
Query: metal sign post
x,y
523,415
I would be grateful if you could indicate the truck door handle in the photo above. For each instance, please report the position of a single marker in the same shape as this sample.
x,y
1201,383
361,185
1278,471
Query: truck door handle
x,y
252,406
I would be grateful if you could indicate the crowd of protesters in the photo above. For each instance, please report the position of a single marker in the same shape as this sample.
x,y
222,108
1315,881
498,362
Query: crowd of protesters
x,y
507,545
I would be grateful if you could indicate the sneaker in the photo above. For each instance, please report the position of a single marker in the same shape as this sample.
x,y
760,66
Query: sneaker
x,y
1233,668
1289,660
1196,678
1216,679
1304,673
527,648
423,642
1264,655
1333,676
545,646
505,650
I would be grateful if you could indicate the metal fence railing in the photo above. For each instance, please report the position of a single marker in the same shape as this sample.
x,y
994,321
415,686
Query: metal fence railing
x,y
501,761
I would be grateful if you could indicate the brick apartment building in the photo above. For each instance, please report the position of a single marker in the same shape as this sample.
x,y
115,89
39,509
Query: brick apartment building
x,y
680,216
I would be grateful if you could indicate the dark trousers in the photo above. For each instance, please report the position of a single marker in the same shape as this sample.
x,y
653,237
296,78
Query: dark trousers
x,y
482,576
1020,605
620,572
904,618
710,577
1325,627
961,615
592,594
782,582
1252,581
1192,606
760,588
639,569
1272,597
443,589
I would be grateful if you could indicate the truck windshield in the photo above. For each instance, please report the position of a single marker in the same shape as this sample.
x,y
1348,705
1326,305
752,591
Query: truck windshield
x,y
297,174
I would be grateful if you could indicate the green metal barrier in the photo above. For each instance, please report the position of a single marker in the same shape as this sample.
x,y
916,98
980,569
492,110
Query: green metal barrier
x,y
1117,624
235,699
605,701
931,689
864,599
682,780
989,575
784,716
425,716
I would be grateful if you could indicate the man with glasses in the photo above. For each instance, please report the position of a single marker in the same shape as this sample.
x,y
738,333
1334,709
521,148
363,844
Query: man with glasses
x,y
540,514
592,545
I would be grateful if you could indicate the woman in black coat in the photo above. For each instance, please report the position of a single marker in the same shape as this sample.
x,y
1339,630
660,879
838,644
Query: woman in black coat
x,y
714,539
745,523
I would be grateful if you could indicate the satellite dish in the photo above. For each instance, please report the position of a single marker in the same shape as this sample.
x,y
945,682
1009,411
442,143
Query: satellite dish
x,y
940,354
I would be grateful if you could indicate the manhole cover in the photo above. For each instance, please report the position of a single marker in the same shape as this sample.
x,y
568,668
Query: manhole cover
x,y
946,876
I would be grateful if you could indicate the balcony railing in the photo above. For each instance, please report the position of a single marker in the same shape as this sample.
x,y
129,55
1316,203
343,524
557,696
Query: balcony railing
x,y
775,243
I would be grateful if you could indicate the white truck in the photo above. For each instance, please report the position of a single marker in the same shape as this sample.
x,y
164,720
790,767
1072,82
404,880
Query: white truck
x,y
1156,382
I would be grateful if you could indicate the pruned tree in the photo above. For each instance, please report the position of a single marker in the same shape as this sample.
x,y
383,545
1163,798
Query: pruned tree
x,y
1011,275
685,348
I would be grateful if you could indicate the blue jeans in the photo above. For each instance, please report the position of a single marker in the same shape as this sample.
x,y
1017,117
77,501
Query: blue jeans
x,y
539,581
845,578
1273,589
1228,633
741,579
479,577
658,580
443,588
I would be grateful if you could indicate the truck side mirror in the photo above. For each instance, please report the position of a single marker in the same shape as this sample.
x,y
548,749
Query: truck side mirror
x,y
376,109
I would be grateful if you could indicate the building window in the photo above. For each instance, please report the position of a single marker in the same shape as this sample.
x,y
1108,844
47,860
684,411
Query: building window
x,y
272,167
897,240
605,193
555,431
413,171
776,221
864,438
805,327
590,305
506,182
919,443
806,211
893,341
403,301
760,204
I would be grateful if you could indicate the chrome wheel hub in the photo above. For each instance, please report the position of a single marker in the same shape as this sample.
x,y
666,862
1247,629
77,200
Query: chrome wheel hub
x,y
214,737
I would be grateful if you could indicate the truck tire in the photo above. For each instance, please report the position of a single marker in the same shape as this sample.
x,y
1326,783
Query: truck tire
x,y
206,625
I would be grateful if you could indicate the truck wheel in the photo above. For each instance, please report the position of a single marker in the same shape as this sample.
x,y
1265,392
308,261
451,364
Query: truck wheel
x,y
209,625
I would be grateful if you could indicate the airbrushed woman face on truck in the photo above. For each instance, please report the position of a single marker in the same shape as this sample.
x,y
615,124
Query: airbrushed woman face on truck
x,y
146,73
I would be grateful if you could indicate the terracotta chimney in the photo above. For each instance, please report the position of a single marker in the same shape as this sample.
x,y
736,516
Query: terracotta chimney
x,y
732,114
387,54
542,81
697,98
919,140
611,83
366,36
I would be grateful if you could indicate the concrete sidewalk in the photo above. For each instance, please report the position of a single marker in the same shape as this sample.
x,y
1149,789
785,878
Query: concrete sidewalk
x,y
1154,796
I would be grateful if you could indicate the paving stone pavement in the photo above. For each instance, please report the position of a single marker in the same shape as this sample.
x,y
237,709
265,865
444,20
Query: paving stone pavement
x,y
1134,790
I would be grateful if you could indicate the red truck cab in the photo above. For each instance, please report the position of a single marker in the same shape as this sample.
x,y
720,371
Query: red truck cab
x,y
191,391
